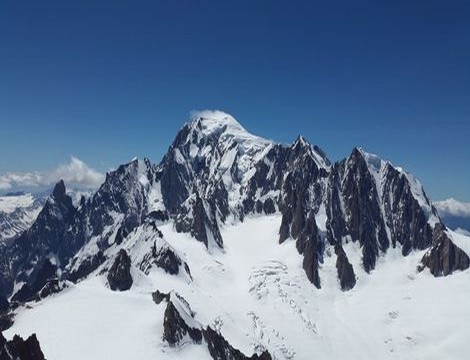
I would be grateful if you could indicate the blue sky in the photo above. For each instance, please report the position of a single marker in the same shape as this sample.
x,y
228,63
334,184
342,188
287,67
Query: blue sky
x,y
106,81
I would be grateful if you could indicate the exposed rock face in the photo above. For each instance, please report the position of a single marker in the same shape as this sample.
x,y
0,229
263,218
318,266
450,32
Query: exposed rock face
x,y
53,286
346,276
161,253
213,171
168,261
6,320
196,217
14,221
310,245
4,304
158,297
180,326
119,205
119,275
35,245
165,258
86,267
220,349
210,156
444,257
20,349
295,178
377,205
29,291
360,195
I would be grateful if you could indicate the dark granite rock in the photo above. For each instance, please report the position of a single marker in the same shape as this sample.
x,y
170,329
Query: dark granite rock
x,y
365,223
158,297
346,276
179,324
4,304
86,267
158,215
406,219
199,219
444,257
310,245
20,349
175,326
120,235
165,258
220,349
119,275
6,320
168,261
269,207
30,290
52,287
26,254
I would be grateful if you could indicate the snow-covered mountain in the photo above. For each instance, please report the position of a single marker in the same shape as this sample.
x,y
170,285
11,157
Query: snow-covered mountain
x,y
455,214
18,212
236,247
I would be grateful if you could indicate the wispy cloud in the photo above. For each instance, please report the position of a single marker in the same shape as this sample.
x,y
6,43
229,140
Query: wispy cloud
x,y
75,172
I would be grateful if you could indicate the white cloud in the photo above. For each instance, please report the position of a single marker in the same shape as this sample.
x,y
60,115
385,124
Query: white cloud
x,y
453,207
79,173
75,173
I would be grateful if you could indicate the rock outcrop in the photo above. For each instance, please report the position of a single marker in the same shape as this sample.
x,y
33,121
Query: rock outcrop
x,y
119,275
30,291
20,349
444,257
180,326
214,171
346,276
86,267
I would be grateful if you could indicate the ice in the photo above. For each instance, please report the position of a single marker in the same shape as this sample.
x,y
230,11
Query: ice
x,y
258,295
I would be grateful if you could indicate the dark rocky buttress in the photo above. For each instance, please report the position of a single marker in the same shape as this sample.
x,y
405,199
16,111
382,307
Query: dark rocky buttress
x,y
363,215
444,257
20,349
28,253
119,275
346,276
179,326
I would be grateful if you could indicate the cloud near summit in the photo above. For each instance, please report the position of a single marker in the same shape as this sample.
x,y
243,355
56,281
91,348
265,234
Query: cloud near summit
x,y
75,172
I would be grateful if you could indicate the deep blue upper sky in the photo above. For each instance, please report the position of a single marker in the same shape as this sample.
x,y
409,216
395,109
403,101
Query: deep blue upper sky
x,y
106,81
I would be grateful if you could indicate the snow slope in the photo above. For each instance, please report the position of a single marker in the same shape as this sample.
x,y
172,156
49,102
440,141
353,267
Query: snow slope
x,y
257,293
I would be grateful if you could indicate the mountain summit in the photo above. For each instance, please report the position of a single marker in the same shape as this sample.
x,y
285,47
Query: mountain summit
x,y
172,225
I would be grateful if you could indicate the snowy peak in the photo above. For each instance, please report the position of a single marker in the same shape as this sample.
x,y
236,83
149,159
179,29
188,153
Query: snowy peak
x,y
18,212
218,122
209,126
373,161
302,146
384,172
215,121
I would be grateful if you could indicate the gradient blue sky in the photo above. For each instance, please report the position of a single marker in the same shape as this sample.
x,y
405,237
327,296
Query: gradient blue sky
x,y
106,81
